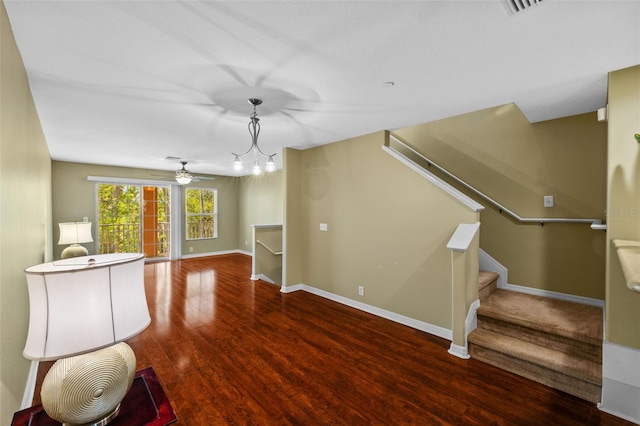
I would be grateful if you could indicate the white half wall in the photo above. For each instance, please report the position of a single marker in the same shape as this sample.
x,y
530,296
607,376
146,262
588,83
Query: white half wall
x,y
621,382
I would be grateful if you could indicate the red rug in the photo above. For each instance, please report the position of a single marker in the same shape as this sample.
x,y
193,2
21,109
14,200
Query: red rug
x,y
144,405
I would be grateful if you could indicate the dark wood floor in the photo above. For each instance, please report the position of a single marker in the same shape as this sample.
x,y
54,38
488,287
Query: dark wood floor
x,y
231,351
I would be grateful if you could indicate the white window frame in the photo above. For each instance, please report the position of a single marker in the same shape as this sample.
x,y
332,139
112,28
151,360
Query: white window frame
x,y
214,214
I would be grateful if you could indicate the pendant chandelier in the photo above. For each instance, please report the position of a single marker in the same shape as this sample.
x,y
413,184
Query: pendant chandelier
x,y
254,131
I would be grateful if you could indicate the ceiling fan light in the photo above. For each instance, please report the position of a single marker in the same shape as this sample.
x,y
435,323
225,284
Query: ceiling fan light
x,y
270,166
183,179
183,176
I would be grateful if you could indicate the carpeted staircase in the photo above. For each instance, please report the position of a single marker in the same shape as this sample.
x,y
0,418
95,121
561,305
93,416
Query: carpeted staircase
x,y
554,342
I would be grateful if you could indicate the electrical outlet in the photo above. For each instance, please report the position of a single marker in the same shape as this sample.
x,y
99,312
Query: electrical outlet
x,y
360,290
548,200
190,249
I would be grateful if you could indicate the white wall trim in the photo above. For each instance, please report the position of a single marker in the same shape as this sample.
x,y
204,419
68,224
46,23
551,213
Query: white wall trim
x,y
488,263
214,253
471,322
267,225
449,189
621,382
291,288
262,277
459,351
30,387
383,313
175,233
555,295
152,182
463,236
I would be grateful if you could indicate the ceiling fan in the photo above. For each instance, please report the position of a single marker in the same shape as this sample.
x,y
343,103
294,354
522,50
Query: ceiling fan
x,y
184,176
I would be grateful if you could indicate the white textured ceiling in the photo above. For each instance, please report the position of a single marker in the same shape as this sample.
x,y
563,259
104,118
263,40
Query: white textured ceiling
x,y
129,83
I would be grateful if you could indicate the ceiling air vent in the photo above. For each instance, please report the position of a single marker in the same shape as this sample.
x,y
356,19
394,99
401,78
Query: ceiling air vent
x,y
521,5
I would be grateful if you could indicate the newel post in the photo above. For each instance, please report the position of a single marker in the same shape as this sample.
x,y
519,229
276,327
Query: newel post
x,y
464,283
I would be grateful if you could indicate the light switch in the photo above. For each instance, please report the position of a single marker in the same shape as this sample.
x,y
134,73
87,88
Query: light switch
x,y
323,227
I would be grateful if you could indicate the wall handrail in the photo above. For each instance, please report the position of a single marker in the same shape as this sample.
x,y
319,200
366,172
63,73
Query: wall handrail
x,y
275,253
595,223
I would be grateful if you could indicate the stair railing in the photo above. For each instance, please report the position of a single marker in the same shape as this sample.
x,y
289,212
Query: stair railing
x,y
275,253
596,224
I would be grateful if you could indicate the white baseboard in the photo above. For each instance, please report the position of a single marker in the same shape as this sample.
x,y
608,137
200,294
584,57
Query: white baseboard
x,y
621,382
214,253
471,323
392,316
30,387
459,351
262,277
488,263
291,288
555,295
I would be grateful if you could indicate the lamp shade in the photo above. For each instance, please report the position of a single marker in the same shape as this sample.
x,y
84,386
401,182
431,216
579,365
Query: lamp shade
x,y
75,233
82,304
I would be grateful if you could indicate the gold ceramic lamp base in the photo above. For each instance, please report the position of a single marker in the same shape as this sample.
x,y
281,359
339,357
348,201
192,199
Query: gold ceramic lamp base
x,y
87,389
74,250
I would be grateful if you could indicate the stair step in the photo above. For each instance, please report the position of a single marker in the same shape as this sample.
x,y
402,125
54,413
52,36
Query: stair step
x,y
573,347
487,283
569,320
569,373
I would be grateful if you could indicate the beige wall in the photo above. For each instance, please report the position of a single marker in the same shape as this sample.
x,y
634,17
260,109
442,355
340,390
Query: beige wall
x,y
74,197
25,215
261,202
517,163
387,228
292,217
623,305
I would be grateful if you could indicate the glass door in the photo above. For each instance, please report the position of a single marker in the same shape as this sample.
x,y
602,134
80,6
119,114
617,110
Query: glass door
x,y
156,221
134,218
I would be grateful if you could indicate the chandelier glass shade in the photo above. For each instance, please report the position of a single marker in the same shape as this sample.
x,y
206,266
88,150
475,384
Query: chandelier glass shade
x,y
254,131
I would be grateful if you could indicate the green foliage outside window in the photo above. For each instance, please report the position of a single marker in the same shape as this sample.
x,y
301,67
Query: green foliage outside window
x,y
201,211
119,219
162,207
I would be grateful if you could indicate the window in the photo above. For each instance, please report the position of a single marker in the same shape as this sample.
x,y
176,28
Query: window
x,y
134,218
201,207
118,218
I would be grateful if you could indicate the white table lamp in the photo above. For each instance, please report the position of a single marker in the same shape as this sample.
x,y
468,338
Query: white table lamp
x,y
77,306
75,233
